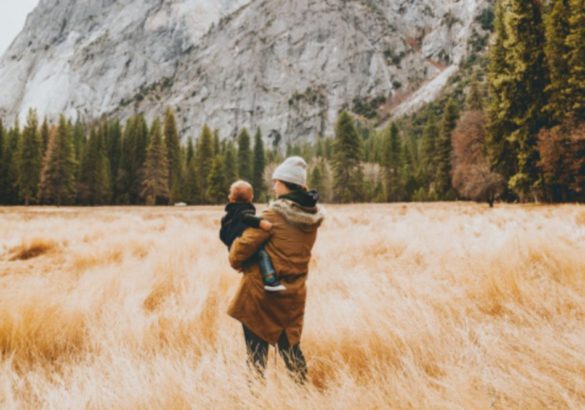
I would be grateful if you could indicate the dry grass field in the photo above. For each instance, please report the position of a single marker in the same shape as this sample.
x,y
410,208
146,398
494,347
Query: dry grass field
x,y
441,306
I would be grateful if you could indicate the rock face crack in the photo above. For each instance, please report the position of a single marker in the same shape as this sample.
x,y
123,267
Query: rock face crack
x,y
286,66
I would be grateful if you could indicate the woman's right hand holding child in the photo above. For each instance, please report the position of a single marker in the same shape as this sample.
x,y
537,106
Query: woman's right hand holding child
x,y
265,225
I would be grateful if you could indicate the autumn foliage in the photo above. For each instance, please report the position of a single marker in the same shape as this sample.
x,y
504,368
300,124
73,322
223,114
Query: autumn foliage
x,y
472,176
562,159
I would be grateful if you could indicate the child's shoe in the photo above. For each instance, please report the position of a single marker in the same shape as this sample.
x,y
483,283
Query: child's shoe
x,y
272,284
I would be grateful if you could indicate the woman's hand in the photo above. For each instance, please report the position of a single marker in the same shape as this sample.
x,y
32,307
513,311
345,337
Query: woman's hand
x,y
265,225
246,245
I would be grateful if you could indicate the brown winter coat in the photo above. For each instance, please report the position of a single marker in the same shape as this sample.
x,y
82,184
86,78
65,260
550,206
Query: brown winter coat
x,y
289,245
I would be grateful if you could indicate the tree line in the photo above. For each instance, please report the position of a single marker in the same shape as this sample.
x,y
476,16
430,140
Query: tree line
x,y
516,133
105,163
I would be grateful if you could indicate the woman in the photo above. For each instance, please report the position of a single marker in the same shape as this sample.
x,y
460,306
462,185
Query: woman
x,y
277,318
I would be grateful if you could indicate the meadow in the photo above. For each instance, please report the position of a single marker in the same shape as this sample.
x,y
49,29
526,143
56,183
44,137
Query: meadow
x,y
422,306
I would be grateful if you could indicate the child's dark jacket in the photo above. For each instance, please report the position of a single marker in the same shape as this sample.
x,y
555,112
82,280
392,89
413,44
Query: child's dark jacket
x,y
238,217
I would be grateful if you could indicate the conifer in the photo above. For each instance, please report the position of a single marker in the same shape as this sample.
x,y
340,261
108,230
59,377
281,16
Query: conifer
x,y
347,154
58,176
245,166
576,45
259,165
171,137
155,185
29,158
444,150
94,186
392,164
216,181
557,55
205,156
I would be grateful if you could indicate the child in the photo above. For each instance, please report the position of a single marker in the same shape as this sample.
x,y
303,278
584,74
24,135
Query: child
x,y
241,214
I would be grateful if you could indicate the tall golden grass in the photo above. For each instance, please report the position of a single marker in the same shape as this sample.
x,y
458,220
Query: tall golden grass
x,y
409,306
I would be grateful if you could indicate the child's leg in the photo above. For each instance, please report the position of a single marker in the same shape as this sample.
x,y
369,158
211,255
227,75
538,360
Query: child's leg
x,y
266,268
271,283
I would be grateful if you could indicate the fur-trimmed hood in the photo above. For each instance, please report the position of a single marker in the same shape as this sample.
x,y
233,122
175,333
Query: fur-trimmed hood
x,y
303,217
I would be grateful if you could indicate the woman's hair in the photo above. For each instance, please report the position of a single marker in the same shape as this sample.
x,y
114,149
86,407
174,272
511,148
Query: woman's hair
x,y
293,187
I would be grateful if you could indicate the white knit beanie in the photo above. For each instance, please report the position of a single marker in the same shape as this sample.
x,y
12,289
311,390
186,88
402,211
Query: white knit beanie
x,y
293,170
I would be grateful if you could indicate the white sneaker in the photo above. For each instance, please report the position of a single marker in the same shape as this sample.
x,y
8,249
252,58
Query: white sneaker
x,y
274,288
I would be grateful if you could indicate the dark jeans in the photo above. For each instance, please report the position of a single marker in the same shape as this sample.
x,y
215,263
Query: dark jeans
x,y
292,355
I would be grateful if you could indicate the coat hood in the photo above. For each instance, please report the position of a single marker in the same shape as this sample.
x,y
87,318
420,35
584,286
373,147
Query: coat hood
x,y
301,216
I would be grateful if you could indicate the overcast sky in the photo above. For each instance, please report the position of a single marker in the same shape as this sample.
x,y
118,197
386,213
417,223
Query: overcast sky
x,y
12,16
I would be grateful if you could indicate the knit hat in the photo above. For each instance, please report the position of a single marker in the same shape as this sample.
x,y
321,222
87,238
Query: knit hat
x,y
293,170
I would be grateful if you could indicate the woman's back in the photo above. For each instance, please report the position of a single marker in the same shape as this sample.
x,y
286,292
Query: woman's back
x,y
289,246
293,235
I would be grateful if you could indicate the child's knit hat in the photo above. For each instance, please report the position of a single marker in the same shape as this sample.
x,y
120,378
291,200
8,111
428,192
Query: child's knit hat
x,y
293,170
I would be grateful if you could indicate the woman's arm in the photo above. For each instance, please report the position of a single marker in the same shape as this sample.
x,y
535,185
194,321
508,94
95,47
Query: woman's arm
x,y
247,245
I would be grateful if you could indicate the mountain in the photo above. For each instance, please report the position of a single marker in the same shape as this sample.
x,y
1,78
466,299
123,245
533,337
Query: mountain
x,y
286,66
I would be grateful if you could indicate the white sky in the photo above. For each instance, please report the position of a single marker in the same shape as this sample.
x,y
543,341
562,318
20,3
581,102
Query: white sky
x,y
12,16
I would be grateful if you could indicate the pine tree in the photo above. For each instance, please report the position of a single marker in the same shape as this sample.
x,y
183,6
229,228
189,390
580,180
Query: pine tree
x,y
230,164
320,150
45,136
94,175
517,77
191,193
474,98
409,182
329,142
79,139
126,166
9,165
114,153
29,159
3,143
216,143
190,151
326,193
557,55
132,157
315,178
216,182
532,78
318,179
500,152
259,165
205,155
141,143
392,164
576,45
57,184
444,149
369,150
348,173
155,186
428,154
244,156
171,137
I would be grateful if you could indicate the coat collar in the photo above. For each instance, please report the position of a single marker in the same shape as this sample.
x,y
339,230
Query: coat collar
x,y
303,198
297,214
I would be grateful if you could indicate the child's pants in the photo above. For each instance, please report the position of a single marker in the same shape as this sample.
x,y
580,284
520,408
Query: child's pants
x,y
266,268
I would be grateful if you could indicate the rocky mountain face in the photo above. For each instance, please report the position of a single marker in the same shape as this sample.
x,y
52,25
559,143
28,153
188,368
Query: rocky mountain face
x,y
286,66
